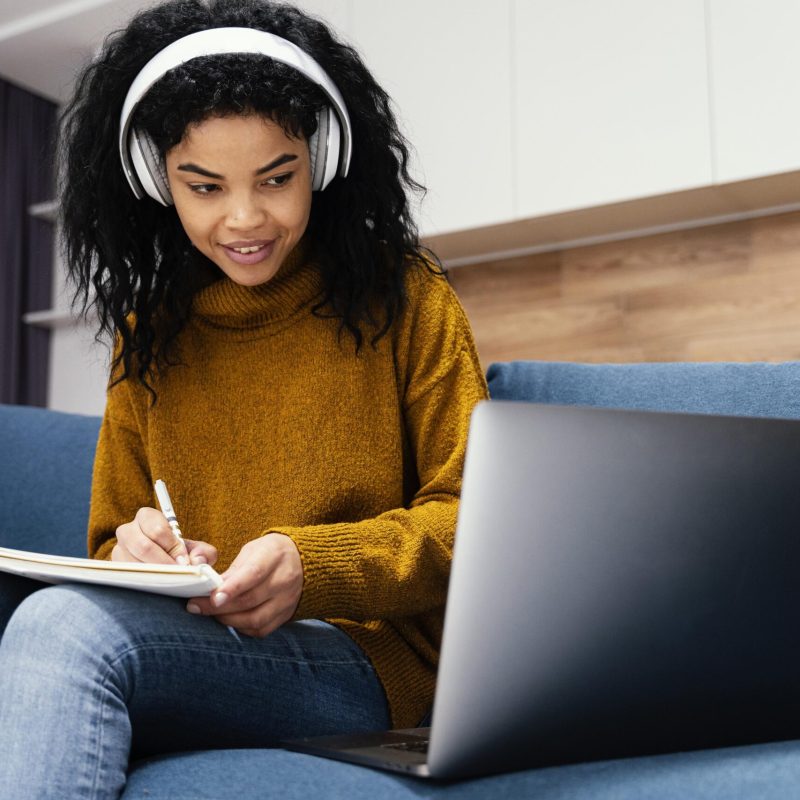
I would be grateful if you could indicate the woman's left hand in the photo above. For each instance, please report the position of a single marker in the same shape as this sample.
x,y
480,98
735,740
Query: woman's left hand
x,y
261,589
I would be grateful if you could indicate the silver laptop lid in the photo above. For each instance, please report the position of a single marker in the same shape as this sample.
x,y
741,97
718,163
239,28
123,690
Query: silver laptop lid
x,y
623,582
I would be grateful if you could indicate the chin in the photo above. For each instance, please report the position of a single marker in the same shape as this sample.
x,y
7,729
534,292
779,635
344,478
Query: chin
x,y
249,277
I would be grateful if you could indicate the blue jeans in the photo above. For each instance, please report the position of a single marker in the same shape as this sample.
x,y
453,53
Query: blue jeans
x,y
91,677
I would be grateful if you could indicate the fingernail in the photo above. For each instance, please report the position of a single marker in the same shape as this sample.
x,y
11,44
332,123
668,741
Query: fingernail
x,y
193,609
182,560
219,599
199,560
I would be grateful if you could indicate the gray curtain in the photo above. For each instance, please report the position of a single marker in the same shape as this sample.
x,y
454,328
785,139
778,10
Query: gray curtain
x,y
28,126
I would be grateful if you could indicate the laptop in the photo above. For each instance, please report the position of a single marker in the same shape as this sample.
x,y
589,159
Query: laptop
x,y
623,583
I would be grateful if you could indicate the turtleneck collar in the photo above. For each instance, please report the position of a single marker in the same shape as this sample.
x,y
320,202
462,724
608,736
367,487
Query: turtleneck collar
x,y
226,304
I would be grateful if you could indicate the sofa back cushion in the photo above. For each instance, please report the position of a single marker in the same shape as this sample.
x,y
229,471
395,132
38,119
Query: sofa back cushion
x,y
739,389
46,462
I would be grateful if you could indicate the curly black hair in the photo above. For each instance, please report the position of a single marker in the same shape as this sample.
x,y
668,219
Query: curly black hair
x,y
132,261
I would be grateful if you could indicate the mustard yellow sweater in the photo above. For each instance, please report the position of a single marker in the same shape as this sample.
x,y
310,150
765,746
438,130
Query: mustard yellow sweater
x,y
273,423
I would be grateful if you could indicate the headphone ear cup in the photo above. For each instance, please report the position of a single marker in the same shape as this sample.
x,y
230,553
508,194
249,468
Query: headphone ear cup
x,y
317,144
323,148
149,167
334,148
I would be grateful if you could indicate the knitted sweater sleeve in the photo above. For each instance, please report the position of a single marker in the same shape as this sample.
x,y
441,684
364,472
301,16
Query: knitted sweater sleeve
x,y
398,563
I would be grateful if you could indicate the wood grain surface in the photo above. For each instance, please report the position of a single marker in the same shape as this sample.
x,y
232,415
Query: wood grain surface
x,y
721,293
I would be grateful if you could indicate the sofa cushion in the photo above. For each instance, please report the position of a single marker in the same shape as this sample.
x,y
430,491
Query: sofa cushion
x,y
742,389
46,462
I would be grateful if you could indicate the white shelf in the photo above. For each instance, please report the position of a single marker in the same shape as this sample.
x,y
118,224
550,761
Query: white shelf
x,y
47,211
50,318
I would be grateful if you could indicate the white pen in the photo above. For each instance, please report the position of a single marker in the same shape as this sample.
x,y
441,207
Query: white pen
x,y
168,511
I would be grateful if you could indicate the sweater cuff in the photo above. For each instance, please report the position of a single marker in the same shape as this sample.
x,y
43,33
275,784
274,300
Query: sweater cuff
x,y
329,563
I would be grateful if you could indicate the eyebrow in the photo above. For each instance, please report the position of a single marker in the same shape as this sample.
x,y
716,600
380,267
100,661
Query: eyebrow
x,y
278,162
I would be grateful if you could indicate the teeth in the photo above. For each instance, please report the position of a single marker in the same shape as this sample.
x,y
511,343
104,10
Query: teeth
x,y
248,249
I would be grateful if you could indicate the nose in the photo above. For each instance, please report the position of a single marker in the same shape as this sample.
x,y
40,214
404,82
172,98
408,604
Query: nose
x,y
245,212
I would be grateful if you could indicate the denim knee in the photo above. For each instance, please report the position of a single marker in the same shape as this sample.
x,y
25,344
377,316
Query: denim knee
x,y
63,624
51,610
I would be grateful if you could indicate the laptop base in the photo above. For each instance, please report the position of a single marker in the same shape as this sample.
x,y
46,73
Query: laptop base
x,y
402,750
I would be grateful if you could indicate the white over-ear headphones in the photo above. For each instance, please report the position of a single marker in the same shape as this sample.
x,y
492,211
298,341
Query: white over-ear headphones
x,y
330,147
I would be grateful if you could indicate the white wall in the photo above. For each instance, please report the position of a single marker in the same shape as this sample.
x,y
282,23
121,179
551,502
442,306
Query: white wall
x,y
78,371
78,368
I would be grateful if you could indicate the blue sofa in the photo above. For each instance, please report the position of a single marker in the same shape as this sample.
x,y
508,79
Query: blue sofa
x,y
45,470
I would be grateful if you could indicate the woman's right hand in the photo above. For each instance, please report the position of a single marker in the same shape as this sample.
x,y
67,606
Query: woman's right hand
x,y
149,538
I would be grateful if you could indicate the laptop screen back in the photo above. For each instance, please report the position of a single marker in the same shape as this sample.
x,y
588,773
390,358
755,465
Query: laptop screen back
x,y
623,583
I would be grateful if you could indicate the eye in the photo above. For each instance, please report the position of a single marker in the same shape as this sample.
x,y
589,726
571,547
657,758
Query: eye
x,y
279,180
204,188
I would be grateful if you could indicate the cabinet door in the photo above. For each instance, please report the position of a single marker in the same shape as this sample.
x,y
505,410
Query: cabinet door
x,y
611,101
447,67
755,63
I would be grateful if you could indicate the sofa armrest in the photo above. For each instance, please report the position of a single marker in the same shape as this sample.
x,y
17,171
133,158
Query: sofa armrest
x,y
46,460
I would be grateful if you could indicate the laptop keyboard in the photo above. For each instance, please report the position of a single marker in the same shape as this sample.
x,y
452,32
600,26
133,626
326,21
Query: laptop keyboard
x,y
417,746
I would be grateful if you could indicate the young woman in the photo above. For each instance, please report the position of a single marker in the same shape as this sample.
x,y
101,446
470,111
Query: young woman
x,y
294,366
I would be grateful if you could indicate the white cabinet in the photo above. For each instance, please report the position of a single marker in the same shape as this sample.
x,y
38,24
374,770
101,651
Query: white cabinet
x,y
336,13
755,63
532,108
611,101
447,67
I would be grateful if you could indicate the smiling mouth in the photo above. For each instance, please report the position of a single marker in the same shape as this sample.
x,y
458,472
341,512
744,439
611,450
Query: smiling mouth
x,y
248,247
250,253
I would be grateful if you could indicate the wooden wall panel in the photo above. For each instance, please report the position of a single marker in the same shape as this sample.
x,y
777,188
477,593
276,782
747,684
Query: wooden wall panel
x,y
722,293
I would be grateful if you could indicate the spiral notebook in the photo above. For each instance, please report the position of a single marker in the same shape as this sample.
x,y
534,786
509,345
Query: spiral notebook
x,y
169,579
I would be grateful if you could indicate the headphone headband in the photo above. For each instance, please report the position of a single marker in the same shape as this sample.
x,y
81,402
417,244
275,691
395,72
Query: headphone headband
x,y
223,41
